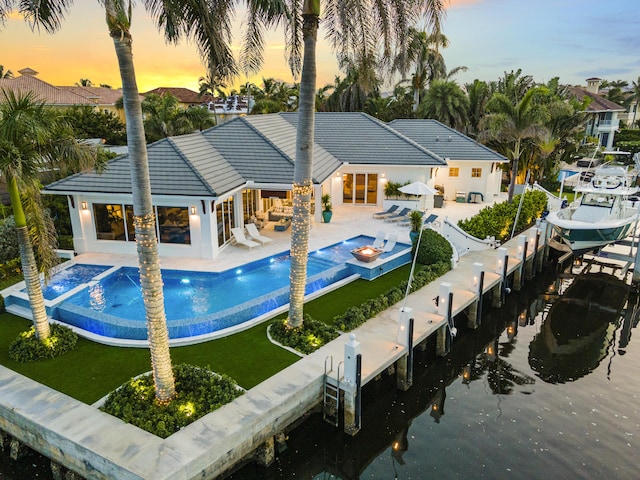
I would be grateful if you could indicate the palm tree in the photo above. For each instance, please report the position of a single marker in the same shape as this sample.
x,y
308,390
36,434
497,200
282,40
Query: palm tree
x,y
478,95
30,136
362,27
5,73
634,99
510,124
446,102
84,82
210,28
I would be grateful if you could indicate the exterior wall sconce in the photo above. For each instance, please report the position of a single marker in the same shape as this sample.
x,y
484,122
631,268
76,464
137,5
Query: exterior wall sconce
x,y
193,210
84,206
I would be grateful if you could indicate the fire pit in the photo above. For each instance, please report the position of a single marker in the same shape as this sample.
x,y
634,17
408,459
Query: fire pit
x,y
366,254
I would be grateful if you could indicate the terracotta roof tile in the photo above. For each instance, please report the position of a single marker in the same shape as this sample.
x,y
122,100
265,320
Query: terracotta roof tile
x,y
44,91
184,95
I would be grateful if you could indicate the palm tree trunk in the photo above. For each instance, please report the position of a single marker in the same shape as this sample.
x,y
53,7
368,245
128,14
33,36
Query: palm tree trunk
x,y
29,266
514,174
144,224
302,177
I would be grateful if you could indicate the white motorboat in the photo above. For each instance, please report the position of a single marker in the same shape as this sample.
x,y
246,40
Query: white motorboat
x,y
604,213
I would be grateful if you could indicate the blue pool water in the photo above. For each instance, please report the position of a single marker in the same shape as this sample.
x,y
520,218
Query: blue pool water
x,y
70,278
198,303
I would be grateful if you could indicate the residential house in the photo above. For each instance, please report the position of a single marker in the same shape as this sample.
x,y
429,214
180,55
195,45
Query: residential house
x,y
205,183
603,121
186,98
44,92
473,170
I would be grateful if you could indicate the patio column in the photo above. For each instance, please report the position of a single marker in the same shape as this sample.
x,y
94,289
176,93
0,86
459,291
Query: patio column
x,y
317,202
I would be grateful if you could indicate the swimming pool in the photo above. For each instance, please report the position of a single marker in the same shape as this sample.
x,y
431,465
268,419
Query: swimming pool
x,y
200,303
69,278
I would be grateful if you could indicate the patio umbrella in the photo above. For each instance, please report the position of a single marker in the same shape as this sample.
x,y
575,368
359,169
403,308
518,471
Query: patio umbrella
x,y
418,188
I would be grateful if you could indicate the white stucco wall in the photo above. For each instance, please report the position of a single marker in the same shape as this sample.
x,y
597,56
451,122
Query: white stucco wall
x,y
202,228
488,183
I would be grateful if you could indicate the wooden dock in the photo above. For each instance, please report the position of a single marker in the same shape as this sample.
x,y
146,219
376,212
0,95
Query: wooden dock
x,y
95,445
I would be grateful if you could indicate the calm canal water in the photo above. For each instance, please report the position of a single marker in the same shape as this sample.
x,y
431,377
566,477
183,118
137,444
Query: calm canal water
x,y
536,391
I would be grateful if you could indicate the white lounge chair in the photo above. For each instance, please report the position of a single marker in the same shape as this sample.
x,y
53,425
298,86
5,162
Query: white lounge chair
x,y
391,243
254,234
238,236
379,241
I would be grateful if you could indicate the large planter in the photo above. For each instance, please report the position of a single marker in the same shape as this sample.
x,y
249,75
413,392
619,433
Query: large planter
x,y
413,236
326,216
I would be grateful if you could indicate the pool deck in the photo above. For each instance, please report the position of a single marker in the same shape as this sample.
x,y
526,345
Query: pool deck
x,y
347,222
96,445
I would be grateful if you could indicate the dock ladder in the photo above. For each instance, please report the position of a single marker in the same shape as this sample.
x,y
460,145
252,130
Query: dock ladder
x,y
331,393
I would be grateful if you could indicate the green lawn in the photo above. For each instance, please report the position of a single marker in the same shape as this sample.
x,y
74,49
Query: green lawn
x,y
93,370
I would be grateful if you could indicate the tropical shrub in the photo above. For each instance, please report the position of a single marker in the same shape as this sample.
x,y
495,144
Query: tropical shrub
x,y
8,240
434,248
357,315
392,190
305,339
28,348
497,220
10,273
198,392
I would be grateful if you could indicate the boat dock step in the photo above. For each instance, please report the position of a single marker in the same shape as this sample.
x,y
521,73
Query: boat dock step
x,y
331,393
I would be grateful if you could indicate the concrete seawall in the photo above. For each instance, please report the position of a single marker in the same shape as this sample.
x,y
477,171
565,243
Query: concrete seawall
x,y
96,445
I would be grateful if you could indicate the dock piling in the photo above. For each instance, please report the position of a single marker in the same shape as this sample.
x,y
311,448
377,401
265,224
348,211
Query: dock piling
x,y
477,287
404,373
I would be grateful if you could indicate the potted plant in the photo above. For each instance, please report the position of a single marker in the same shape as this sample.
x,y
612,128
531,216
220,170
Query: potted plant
x,y
326,208
415,217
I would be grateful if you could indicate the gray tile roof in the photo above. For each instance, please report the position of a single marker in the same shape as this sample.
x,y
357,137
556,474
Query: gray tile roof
x,y
250,153
445,141
169,171
358,138
282,135
258,148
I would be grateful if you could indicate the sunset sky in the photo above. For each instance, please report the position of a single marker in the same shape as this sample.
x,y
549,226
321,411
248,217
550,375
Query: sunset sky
x,y
572,39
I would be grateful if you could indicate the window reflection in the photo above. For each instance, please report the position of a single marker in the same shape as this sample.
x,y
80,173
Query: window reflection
x,y
109,221
173,225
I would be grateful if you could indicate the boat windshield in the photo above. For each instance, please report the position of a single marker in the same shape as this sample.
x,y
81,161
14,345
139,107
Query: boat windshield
x,y
598,200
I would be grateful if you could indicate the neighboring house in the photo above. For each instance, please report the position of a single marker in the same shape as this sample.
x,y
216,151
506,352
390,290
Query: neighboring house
x,y
45,92
186,98
603,121
205,183
104,98
100,98
471,169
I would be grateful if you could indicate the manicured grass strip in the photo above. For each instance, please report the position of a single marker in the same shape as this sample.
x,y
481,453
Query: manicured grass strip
x,y
335,303
93,370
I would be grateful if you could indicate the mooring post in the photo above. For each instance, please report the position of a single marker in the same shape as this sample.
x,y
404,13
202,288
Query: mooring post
x,y
502,265
477,287
521,254
351,387
404,372
546,234
445,301
530,263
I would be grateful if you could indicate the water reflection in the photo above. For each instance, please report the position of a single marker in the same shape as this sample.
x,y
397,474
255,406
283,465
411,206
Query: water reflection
x,y
322,451
579,329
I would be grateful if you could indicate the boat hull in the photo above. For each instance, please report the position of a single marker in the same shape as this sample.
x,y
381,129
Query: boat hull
x,y
587,237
